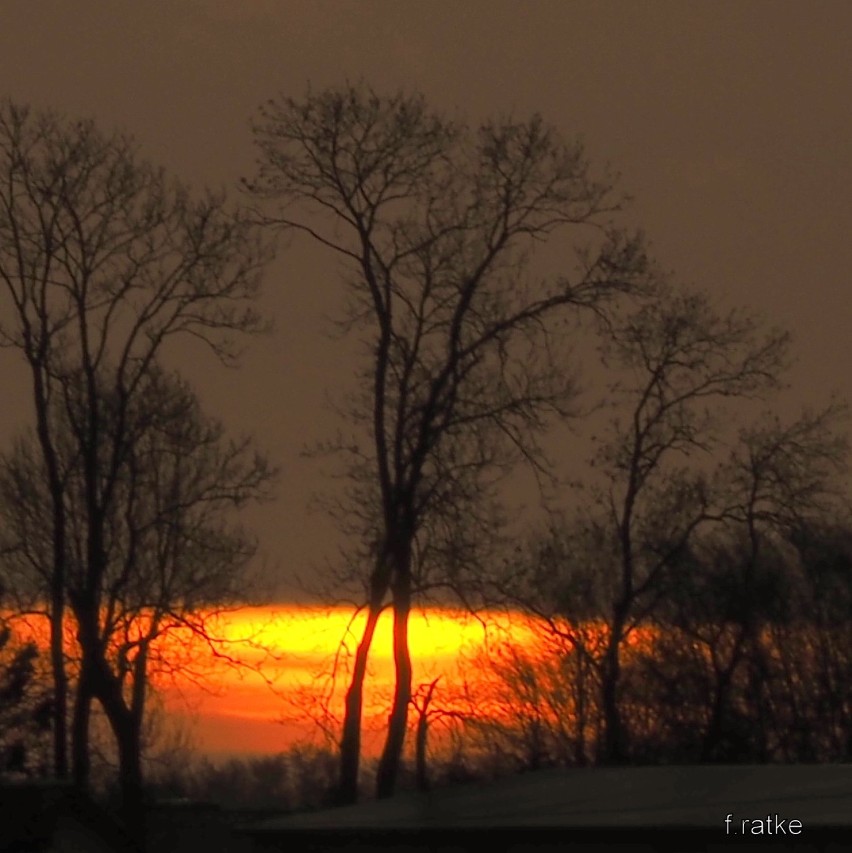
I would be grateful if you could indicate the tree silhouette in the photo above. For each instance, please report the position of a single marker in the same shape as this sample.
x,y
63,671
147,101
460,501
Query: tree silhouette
x,y
779,481
614,559
683,358
169,554
25,705
436,223
104,261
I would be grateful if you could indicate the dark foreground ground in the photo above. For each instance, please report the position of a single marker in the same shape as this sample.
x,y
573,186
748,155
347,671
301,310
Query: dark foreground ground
x,y
600,809
640,808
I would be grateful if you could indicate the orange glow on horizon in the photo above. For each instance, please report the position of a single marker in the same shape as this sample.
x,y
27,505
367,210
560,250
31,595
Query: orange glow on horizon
x,y
285,657
296,650
283,660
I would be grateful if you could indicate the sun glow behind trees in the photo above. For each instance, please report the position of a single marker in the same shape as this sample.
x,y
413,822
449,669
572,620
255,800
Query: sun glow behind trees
x,y
264,681
289,682
266,674
292,666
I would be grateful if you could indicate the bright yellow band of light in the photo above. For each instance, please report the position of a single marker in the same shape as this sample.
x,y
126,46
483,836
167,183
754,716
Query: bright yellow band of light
x,y
286,660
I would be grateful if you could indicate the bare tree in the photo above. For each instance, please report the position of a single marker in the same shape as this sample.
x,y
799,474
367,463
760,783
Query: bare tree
x,y
436,223
676,360
170,555
734,647
815,646
683,359
560,576
780,480
103,261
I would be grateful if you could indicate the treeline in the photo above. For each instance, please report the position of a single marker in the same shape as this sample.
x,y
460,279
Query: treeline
x,y
117,498
693,577
720,672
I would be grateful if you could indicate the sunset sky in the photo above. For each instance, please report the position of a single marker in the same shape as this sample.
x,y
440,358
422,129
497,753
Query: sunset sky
x,y
728,121
283,662
266,709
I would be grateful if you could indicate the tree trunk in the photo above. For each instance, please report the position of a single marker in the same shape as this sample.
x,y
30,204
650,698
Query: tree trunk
x,y
712,740
391,759
60,679
129,742
101,683
57,576
711,748
420,752
350,742
127,730
614,747
581,721
80,732
420,743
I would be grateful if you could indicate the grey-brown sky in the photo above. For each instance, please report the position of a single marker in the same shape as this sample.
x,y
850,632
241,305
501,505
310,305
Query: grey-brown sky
x,y
729,122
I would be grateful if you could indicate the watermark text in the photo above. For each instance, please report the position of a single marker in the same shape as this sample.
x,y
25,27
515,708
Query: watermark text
x,y
771,824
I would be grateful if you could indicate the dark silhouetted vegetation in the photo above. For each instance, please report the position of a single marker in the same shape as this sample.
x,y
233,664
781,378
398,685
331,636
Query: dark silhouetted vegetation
x,y
436,223
104,261
689,587
26,705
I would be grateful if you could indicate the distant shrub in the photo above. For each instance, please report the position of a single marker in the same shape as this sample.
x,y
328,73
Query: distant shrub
x,y
295,780
25,708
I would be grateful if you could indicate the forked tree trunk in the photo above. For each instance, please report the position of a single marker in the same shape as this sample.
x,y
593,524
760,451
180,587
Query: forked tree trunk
x,y
711,746
127,730
391,759
350,741
99,682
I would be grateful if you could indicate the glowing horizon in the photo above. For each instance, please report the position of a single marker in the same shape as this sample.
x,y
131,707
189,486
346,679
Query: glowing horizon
x,y
282,677
300,643
286,655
